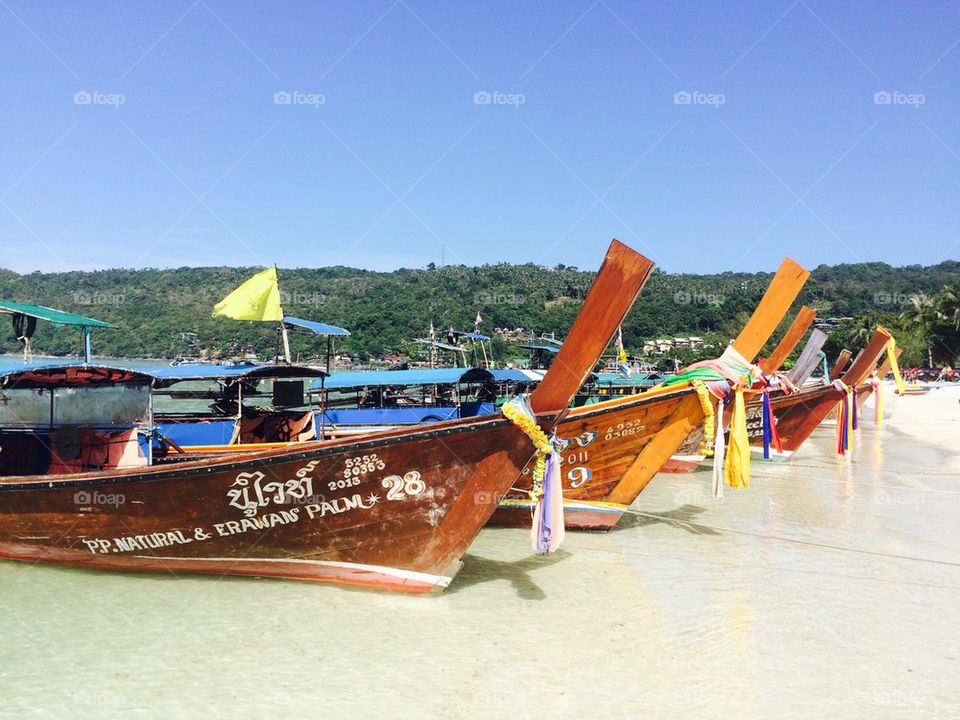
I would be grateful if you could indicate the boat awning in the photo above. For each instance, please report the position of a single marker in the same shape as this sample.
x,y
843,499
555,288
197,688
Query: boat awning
x,y
472,335
74,373
442,346
643,378
70,374
317,328
168,374
514,375
548,348
51,315
405,378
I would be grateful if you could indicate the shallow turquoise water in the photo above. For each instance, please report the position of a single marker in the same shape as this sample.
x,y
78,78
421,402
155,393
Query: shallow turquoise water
x,y
829,589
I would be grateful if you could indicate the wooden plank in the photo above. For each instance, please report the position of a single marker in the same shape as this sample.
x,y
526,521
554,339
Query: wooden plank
x,y
618,282
842,359
809,358
801,323
867,360
776,301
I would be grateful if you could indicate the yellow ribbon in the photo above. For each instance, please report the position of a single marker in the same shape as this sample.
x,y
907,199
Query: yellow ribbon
x,y
879,394
737,470
894,367
708,417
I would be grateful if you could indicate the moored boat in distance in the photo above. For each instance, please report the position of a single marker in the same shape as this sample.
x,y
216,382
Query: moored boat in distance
x,y
391,511
798,414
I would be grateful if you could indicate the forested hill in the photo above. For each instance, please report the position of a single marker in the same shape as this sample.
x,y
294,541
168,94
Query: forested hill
x,y
384,311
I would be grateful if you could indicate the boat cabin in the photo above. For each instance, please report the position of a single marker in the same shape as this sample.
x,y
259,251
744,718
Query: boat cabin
x,y
407,397
75,417
223,407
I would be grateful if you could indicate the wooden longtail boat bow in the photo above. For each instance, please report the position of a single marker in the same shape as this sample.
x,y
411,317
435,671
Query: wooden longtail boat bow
x,y
798,415
809,358
801,323
784,289
612,449
393,511
842,360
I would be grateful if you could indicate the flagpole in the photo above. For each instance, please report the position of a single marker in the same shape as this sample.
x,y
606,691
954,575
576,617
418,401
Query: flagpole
x,y
283,325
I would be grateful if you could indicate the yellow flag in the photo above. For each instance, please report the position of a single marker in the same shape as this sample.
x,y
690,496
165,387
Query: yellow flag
x,y
257,299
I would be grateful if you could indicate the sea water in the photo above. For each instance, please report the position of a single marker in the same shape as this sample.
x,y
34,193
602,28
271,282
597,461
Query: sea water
x,y
828,589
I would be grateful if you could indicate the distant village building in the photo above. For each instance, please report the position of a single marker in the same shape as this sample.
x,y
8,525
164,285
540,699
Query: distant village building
x,y
661,346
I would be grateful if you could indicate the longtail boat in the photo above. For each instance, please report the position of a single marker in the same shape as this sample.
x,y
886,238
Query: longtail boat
x,y
798,328
393,511
611,450
690,454
797,415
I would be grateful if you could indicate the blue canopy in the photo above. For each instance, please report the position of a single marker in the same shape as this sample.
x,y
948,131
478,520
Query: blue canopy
x,y
513,375
395,378
318,328
548,348
166,374
644,378
472,335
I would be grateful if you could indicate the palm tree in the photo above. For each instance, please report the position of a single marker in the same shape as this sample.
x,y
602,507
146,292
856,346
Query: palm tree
x,y
948,305
922,313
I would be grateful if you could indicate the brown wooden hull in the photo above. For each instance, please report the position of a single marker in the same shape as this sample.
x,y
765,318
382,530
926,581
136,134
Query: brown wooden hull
x,y
401,523
392,511
604,444
796,416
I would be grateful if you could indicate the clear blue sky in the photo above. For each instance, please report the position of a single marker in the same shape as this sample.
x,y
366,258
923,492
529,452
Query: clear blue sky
x,y
782,149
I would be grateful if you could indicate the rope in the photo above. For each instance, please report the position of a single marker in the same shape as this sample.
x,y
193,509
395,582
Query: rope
x,y
689,523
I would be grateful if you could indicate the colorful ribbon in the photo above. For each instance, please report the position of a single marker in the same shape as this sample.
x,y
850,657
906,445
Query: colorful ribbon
x,y
894,367
708,417
770,434
846,416
878,399
546,490
737,466
826,371
719,450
